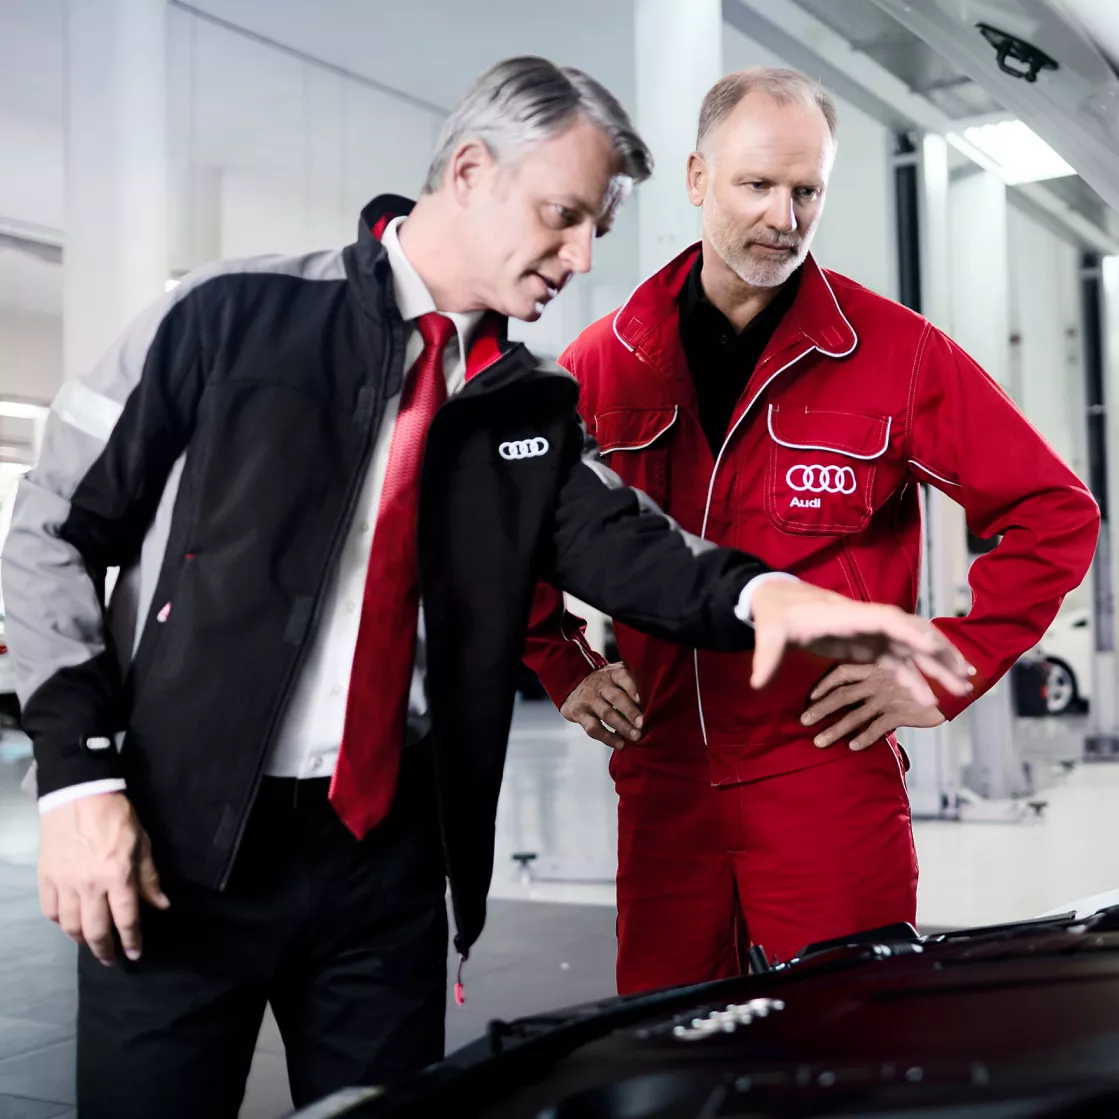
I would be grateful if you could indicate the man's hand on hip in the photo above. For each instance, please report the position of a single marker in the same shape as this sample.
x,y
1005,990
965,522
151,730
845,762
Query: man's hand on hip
x,y
878,701
606,706
95,864
791,614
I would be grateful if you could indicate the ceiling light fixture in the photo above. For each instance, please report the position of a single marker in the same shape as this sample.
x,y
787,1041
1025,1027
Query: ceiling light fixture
x,y
1013,151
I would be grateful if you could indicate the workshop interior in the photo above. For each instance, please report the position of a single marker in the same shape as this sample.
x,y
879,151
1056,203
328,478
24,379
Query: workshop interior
x,y
965,264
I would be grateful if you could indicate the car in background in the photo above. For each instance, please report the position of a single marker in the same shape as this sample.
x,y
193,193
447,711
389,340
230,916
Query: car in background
x,y
1067,647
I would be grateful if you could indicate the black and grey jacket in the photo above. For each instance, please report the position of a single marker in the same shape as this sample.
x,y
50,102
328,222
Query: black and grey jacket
x,y
215,456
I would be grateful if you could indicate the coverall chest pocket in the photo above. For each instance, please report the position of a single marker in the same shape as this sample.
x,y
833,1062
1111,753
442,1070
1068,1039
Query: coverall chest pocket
x,y
634,444
820,477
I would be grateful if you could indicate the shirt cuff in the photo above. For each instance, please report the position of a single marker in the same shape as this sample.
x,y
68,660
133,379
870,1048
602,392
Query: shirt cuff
x,y
744,610
80,792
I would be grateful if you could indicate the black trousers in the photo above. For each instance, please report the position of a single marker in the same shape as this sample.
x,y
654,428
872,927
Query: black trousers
x,y
346,940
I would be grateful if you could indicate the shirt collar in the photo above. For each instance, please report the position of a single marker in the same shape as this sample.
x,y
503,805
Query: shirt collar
x,y
412,296
694,303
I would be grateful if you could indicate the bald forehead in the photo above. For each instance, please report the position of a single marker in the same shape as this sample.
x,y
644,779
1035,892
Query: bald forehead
x,y
761,119
764,139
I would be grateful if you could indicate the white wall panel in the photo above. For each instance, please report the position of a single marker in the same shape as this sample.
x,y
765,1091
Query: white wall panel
x,y
1045,321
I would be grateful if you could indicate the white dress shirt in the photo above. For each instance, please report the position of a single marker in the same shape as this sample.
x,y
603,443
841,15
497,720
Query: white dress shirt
x,y
311,733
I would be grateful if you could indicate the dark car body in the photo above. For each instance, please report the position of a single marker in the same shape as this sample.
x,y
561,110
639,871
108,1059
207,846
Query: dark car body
x,y
1012,1021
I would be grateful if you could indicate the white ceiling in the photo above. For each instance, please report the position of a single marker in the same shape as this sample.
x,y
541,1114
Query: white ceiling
x,y
1100,18
431,49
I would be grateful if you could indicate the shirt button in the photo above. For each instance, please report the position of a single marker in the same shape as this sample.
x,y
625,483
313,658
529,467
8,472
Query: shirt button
x,y
316,763
336,690
365,526
723,340
350,607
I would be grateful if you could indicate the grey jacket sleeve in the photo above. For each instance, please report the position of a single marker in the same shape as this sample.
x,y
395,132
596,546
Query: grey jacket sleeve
x,y
614,548
110,441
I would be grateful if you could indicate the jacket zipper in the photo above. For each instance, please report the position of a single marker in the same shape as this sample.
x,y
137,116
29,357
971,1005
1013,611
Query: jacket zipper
x,y
460,985
710,493
316,611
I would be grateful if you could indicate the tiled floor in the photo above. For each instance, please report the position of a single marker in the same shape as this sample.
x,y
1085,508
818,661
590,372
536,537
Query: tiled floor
x,y
550,938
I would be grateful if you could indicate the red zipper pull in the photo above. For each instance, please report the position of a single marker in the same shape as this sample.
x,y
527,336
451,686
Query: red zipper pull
x,y
460,990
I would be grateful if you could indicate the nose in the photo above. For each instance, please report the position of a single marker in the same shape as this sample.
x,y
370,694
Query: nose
x,y
578,249
781,214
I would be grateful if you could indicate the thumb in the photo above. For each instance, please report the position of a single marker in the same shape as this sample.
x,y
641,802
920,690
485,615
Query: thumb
x,y
769,648
147,879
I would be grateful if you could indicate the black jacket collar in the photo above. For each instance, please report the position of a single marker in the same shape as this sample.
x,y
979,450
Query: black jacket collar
x,y
369,268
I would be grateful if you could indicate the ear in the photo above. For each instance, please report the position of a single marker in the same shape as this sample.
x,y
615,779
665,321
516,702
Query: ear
x,y
698,177
471,165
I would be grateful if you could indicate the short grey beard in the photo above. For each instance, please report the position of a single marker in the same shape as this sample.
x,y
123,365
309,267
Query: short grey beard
x,y
763,273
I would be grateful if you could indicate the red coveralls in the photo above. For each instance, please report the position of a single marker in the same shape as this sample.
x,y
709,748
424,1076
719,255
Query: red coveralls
x,y
729,815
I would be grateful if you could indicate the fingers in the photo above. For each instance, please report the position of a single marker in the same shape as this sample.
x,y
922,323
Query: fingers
x,y
864,626
125,908
769,647
936,656
616,708
933,669
48,899
841,697
70,915
595,729
147,878
911,681
844,674
852,721
881,726
608,696
620,674
97,928
602,709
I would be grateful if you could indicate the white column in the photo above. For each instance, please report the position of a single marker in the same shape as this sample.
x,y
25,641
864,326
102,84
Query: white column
x,y
1105,695
679,57
935,777
116,252
980,271
980,322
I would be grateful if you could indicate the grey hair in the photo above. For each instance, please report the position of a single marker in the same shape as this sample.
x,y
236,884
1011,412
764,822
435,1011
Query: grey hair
x,y
523,101
786,87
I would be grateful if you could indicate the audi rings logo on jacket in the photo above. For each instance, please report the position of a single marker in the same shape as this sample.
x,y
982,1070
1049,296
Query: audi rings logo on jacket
x,y
524,448
821,479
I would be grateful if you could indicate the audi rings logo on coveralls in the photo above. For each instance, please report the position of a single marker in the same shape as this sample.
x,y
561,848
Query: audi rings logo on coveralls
x,y
822,479
524,448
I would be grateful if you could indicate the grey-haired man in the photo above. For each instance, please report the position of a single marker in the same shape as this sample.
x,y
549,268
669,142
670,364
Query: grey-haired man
x,y
281,457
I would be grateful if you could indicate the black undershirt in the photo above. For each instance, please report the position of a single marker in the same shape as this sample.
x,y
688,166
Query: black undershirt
x,y
720,359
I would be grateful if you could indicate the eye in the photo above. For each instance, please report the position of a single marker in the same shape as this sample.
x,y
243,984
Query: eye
x,y
758,185
564,216
808,194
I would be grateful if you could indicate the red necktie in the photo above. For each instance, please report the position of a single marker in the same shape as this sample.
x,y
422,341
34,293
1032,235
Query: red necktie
x,y
376,710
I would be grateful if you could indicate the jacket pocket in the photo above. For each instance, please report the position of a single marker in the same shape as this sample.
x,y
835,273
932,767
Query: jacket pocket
x,y
634,443
152,652
820,475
